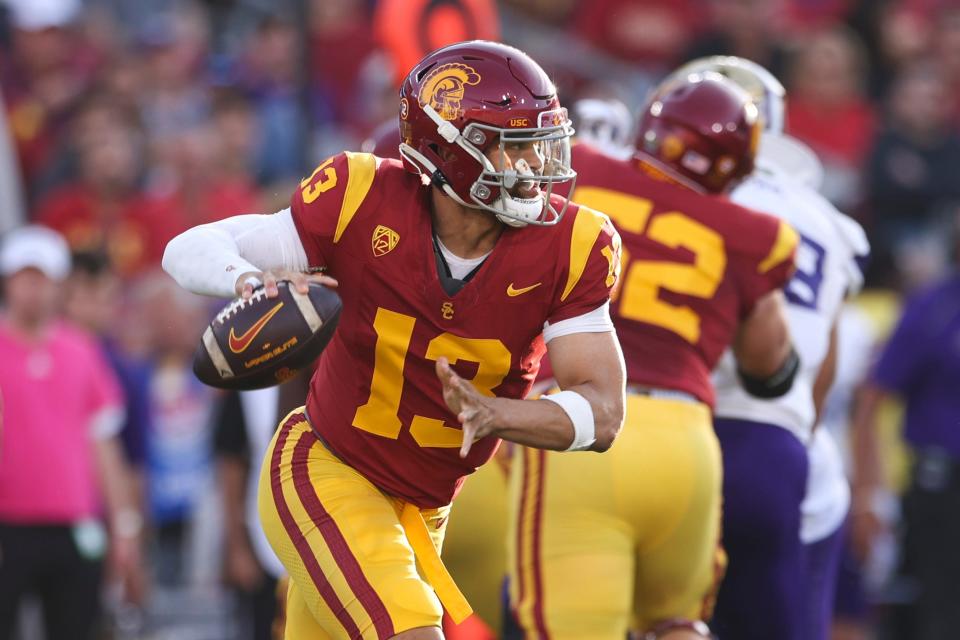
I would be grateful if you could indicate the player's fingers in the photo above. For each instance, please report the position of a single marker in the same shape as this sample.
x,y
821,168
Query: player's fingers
x,y
465,391
444,372
297,280
247,282
469,431
270,284
323,279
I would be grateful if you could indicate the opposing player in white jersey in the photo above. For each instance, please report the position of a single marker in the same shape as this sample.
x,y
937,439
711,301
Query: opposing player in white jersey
x,y
604,123
769,515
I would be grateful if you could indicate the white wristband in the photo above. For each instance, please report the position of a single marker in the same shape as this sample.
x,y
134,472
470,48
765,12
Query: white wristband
x,y
580,412
253,281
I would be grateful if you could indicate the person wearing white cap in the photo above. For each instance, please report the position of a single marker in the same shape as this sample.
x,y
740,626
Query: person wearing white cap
x,y
61,467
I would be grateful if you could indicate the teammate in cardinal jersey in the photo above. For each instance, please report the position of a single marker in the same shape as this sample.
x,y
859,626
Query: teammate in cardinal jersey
x,y
630,540
458,269
783,485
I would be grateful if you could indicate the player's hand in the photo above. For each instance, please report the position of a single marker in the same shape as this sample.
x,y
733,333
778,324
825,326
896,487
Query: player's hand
x,y
241,567
125,565
867,523
271,277
473,409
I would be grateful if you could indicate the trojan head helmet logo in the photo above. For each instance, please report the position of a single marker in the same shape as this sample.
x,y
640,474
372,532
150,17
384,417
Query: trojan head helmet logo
x,y
443,88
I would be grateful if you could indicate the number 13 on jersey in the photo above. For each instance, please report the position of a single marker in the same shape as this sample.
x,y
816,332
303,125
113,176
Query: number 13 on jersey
x,y
379,415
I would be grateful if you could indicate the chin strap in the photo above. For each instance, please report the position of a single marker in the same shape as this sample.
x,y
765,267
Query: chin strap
x,y
675,624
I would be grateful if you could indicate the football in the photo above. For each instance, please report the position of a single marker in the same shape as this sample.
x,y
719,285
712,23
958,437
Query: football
x,y
262,342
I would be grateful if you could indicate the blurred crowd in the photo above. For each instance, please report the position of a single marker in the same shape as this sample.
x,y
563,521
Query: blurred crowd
x,y
124,123
132,121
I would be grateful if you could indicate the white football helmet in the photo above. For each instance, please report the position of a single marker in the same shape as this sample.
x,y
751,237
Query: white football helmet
x,y
605,123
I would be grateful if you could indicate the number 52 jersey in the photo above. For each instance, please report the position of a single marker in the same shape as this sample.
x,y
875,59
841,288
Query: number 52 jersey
x,y
694,266
375,398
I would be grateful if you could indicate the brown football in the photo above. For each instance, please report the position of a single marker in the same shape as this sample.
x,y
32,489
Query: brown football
x,y
262,342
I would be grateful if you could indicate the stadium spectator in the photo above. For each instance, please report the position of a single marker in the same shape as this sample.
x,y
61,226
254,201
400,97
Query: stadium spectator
x,y
92,301
174,99
270,76
613,26
209,168
179,465
341,42
828,109
921,365
48,69
947,51
751,29
243,427
103,208
856,338
911,176
62,474
12,209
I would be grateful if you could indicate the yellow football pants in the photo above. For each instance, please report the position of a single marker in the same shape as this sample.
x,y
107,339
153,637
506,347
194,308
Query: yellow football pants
x,y
604,543
347,546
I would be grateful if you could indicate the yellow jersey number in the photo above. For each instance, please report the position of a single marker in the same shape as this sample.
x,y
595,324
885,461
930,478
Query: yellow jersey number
x,y
394,332
312,187
639,297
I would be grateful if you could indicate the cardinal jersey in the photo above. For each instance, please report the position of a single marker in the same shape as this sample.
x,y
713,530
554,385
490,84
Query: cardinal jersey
x,y
375,398
694,266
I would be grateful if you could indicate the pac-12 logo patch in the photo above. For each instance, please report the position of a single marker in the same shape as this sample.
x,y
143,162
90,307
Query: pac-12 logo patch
x,y
444,86
384,240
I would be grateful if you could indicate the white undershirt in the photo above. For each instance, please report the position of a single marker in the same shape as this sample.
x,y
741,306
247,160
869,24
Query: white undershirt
x,y
596,321
460,267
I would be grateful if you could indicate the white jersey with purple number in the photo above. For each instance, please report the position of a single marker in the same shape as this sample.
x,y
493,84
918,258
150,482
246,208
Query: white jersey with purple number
x,y
827,270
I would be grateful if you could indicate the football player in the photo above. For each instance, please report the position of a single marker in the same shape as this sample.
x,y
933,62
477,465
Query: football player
x,y
604,123
630,540
772,505
474,545
458,269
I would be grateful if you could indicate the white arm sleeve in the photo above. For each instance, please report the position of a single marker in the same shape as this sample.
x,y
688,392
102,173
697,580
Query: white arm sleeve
x,y
208,259
596,321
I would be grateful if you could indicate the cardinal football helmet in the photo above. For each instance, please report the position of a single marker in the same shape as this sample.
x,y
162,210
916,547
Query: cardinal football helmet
x,y
766,91
464,100
701,130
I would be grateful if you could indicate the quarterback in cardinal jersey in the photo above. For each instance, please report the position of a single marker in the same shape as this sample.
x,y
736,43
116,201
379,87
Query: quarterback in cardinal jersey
x,y
639,527
458,269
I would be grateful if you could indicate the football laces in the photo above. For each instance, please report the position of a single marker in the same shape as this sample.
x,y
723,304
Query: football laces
x,y
237,305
